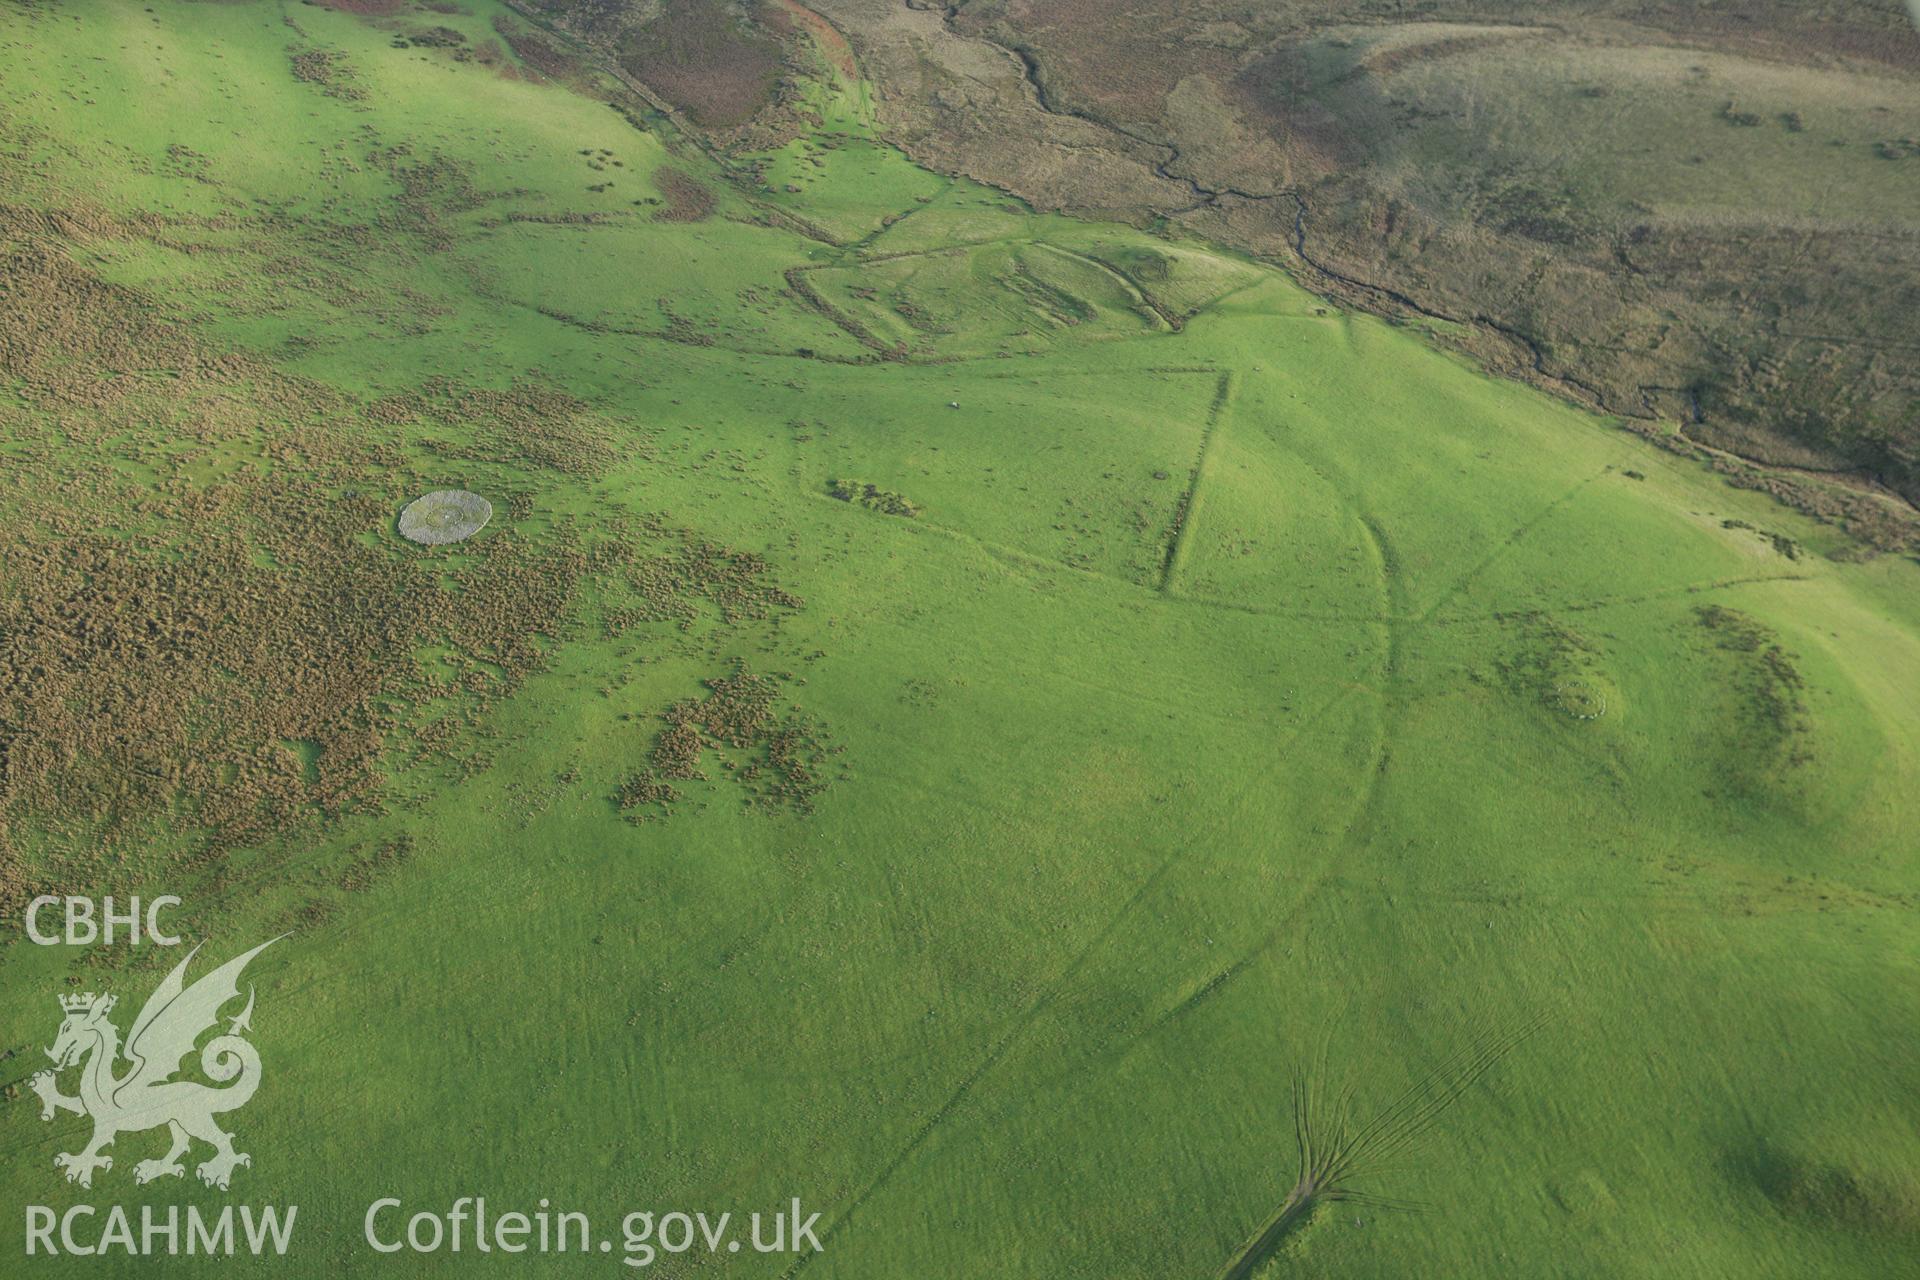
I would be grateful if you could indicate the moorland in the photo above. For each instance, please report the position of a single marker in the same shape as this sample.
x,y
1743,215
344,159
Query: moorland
x,y
973,710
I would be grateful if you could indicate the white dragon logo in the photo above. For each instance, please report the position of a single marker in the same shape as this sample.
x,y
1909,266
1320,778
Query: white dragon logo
x,y
174,1017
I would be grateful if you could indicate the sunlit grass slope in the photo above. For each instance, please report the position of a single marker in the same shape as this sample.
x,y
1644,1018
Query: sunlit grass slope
x,y
1254,692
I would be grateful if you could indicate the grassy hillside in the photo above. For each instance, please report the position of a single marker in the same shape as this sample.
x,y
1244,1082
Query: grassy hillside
x,y
955,710
1685,213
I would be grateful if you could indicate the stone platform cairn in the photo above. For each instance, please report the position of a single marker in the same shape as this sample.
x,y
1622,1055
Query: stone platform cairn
x,y
445,515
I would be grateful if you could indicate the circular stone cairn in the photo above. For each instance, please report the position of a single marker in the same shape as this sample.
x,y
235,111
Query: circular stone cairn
x,y
1581,701
445,515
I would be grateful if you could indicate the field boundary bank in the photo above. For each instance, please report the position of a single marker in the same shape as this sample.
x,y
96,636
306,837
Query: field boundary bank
x,y
1189,504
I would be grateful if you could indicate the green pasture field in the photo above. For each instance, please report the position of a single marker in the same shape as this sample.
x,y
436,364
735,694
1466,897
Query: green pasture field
x,y
1254,694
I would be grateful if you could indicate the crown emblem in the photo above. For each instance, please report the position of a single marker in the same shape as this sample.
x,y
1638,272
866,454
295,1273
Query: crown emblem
x,y
81,1003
